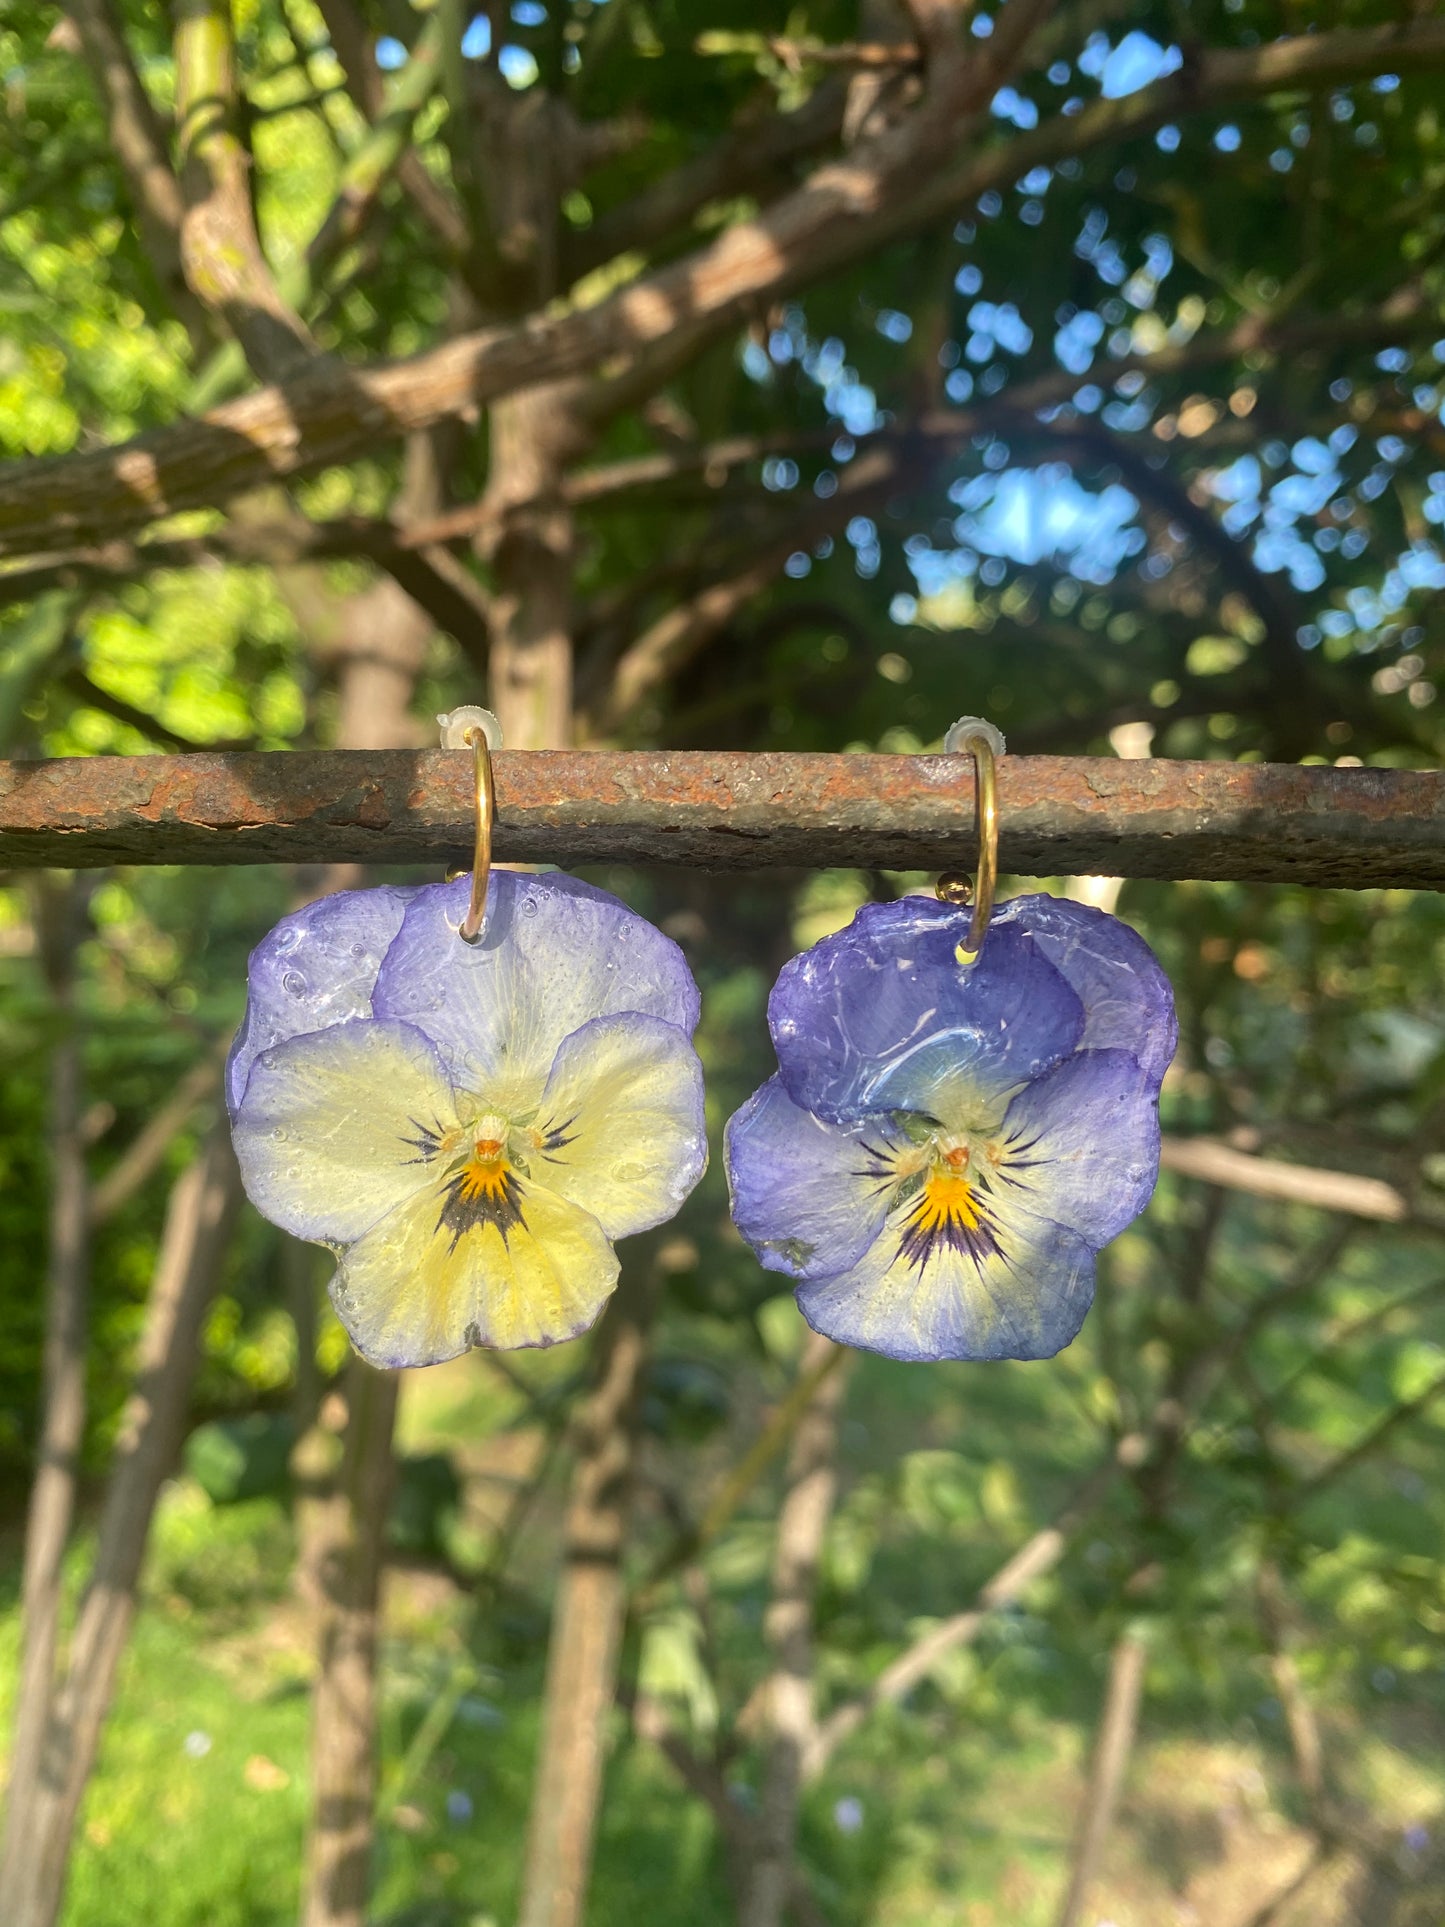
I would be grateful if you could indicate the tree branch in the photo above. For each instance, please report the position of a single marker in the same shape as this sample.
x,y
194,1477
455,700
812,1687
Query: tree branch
x,y
753,152
1117,1727
796,53
677,637
1269,596
735,1486
348,1564
892,184
381,152
1037,1556
142,1156
702,1778
139,142
220,250
1373,1439
1218,1163
1304,1731
449,593
86,691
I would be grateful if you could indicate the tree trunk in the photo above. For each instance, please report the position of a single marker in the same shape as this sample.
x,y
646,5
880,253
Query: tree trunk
x,y
532,560
343,1760
788,1723
198,1224
1117,1728
60,913
379,639
587,1620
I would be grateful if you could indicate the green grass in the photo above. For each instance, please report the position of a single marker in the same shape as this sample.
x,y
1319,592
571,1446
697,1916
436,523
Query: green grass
x,y
956,1809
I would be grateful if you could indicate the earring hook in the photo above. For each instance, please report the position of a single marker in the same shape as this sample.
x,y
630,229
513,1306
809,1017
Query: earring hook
x,y
479,731
973,736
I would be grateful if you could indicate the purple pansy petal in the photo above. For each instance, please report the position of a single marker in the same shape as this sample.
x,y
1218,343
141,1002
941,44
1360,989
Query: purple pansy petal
x,y
622,1122
554,954
1081,1145
413,1293
803,1193
330,1129
1026,1299
317,967
1128,1002
1005,1114
857,1020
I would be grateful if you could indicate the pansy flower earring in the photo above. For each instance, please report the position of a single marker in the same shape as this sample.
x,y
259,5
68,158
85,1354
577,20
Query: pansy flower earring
x,y
965,1112
468,1091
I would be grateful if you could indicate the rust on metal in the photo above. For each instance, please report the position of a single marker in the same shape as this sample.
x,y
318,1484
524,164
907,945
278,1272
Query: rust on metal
x,y
1255,822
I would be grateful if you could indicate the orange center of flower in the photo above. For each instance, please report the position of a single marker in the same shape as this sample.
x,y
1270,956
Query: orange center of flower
x,y
947,1199
485,1174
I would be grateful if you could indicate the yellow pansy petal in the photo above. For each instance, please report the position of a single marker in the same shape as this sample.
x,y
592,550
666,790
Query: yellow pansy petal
x,y
333,1127
416,1290
621,1125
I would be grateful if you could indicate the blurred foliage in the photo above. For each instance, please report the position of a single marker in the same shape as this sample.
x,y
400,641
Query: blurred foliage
x,y
1231,557
241,1458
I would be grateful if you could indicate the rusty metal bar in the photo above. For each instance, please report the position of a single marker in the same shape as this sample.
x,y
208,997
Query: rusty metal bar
x,y
1255,822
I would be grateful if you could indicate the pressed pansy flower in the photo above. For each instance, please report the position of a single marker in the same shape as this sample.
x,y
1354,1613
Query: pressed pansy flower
x,y
946,1148
468,1126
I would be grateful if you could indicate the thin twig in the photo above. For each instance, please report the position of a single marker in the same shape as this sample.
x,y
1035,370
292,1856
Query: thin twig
x,y
1117,1728
141,1158
737,1484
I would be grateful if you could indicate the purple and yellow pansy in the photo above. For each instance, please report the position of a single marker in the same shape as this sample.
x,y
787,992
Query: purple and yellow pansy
x,y
947,1145
468,1127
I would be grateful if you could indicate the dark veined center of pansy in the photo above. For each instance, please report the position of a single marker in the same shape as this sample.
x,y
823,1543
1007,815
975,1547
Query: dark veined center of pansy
x,y
939,1183
484,1166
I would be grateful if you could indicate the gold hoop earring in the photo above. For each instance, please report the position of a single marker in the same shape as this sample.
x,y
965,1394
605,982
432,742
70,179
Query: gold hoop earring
x,y
972,736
